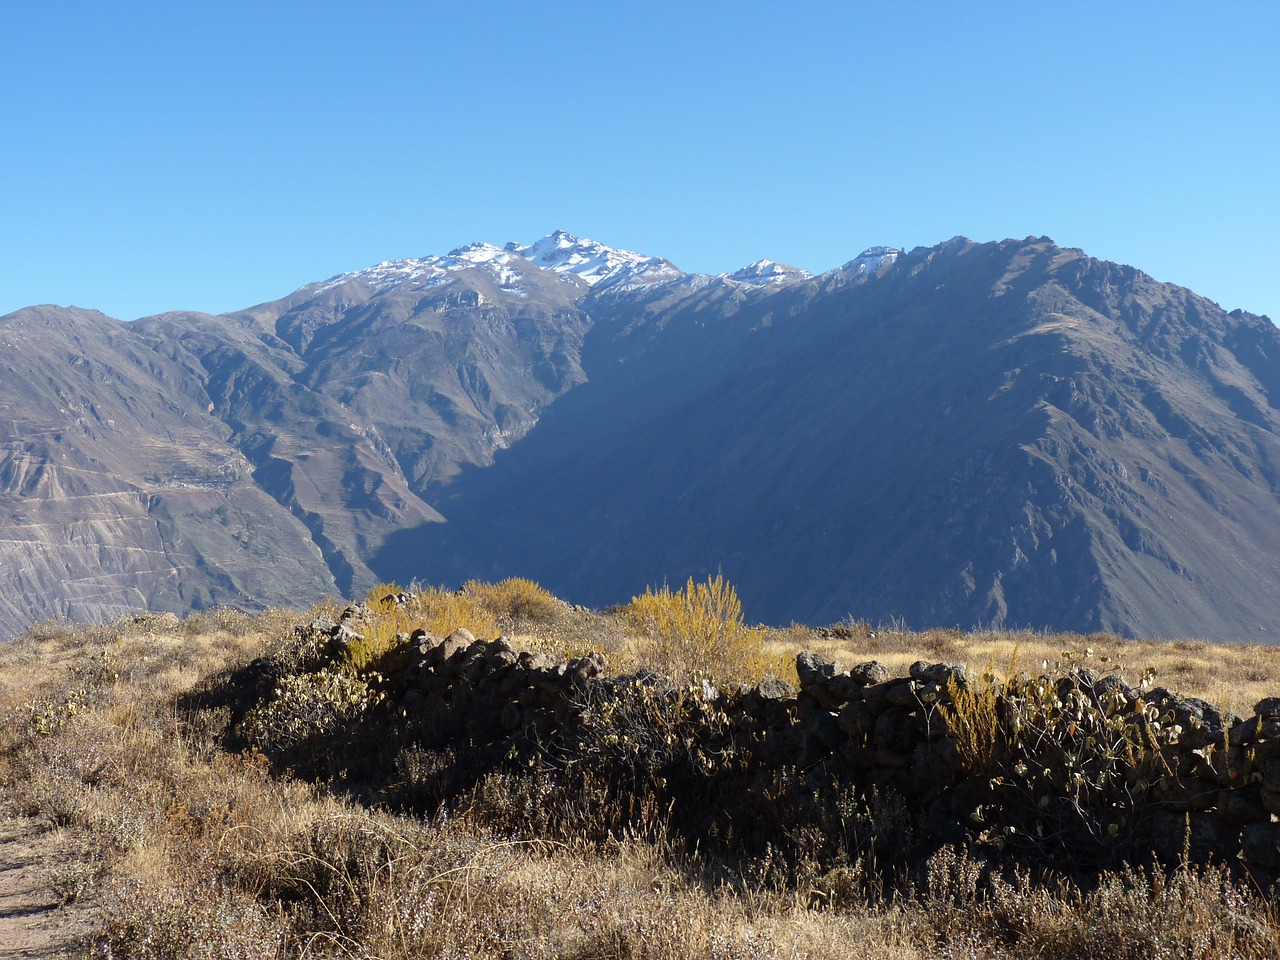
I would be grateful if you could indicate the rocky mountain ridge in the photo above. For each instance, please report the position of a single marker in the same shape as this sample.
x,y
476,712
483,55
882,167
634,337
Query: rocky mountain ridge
x,y
1007,433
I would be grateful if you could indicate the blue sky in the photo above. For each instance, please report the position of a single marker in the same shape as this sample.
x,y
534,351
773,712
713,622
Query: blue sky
x,y
212,156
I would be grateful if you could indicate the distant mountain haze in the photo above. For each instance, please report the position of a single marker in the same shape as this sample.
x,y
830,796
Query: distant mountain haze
x,y
996,434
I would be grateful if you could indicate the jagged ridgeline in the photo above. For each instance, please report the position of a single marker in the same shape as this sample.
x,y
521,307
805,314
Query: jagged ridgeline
x,y
1004,433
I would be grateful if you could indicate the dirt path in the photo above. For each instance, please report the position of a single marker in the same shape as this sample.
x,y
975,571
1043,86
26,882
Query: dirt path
x,y
32,924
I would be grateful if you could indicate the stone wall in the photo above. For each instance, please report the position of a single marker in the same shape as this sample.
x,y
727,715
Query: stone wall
x,y
1079,767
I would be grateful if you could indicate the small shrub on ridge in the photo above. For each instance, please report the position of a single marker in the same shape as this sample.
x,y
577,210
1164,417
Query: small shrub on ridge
x,y
515,598
699,632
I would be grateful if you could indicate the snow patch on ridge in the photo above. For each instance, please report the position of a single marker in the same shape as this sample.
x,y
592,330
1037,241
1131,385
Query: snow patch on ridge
x,y
577,261
560,253
871,260
768,273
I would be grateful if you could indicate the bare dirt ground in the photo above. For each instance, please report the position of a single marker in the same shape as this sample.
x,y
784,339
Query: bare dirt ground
x,y
33,923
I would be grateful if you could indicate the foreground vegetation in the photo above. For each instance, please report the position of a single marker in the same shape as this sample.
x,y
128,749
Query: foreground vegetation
x,y
137,740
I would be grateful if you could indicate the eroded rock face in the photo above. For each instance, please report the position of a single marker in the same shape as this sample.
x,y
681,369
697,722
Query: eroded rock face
x,y
1000,434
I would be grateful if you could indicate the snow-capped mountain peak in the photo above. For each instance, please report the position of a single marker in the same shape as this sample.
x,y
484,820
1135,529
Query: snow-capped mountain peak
x,y
560,252
871,260
590,261
430,271
768,273
474,253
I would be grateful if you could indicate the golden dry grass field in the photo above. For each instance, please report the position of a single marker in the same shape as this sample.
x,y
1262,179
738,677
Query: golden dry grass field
x,y
176,848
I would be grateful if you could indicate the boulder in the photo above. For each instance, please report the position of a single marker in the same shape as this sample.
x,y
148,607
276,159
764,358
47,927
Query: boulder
x,y
895,732
813,671
1268,707
903,693
1209,839
1243,805
870,672
1261,843
856,720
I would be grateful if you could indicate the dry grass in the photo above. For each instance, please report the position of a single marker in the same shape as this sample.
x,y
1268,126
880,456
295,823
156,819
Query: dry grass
x,y
192,851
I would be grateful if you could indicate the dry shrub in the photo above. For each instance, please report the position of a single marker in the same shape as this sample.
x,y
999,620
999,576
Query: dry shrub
x,y
1193,913
514,599
440,612
393,614
195,916
698,632
312,708
972,715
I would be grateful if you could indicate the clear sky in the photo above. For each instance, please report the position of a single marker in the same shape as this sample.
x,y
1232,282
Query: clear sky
x,y
210,156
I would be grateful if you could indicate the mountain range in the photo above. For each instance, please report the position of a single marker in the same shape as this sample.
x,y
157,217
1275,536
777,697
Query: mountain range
x,y
972,434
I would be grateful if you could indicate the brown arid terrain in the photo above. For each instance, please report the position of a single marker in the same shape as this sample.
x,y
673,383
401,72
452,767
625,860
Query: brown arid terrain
x,y
35,919
970,434
199,787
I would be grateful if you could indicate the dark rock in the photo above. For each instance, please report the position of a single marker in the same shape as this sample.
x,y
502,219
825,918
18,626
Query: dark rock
x,y
586,668
412,702
1271,774
1271,799
919,669
511,717
856,720
1243,805
1268,707
1196,735
783,747
857,756
812,752
1209,839
539,724
891,759
808,707
873,695
535,661
1113,688
935,766
814,671
773,689
902,693
895,732
529,696
324,624
779,713
1195,793
500,646
455,645
940,673
825,728
870,672
475,666
844,688
1246,731
1262,845
503,661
